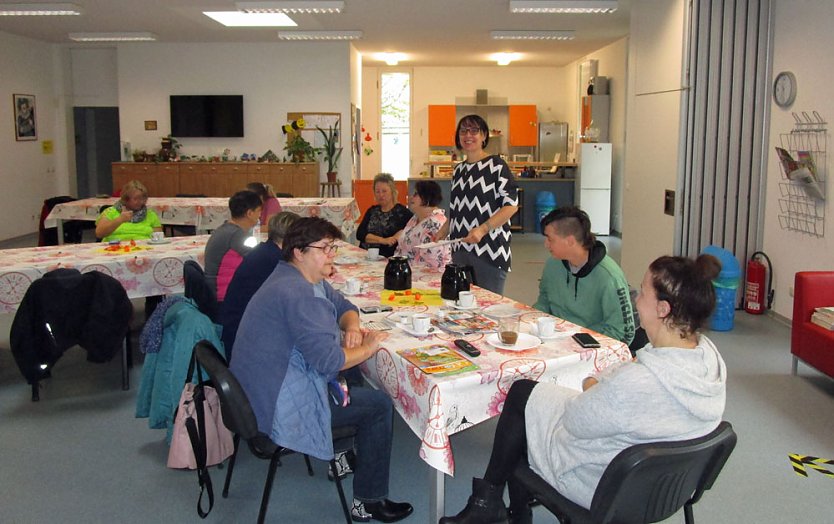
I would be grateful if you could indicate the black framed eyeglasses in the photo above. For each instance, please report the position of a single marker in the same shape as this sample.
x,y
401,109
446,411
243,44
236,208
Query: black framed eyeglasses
x,y
329,249
469,131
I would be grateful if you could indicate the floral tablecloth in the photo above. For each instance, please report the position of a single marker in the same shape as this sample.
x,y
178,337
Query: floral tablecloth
x,y
437,407
210,213
144,269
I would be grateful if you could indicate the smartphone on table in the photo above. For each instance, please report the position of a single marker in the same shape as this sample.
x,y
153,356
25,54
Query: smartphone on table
x,y
585,340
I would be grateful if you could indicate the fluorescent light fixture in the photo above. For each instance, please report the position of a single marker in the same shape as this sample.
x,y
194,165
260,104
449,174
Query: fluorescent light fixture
x,y
38,9
391,59
239,19
319,35
563,6
533,35
293,6
112,37
503,59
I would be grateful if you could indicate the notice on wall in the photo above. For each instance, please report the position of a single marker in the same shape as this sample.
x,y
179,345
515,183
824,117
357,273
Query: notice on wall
x,y
47,147
312,120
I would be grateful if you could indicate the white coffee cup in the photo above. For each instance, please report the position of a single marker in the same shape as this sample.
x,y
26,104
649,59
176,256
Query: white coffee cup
x,y
546,326
466,299
353,285
373,253
420,323
157,236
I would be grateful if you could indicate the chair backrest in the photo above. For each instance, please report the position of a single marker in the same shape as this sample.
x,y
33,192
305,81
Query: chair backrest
x,y
234,404
198,289
650,482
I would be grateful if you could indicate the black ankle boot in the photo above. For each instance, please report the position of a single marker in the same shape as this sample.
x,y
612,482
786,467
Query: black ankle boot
x,y
521,515
485,506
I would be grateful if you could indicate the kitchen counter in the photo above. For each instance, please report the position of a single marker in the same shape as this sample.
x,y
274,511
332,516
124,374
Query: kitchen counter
x,y
526,219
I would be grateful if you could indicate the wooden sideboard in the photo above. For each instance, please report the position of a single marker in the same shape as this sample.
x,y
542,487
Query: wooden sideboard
x,y
217,179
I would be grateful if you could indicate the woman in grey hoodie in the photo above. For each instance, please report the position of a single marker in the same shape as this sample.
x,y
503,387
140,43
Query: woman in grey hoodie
x,y
673,390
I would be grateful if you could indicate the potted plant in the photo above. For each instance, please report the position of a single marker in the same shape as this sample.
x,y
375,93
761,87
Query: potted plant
x,y
299,149
330,151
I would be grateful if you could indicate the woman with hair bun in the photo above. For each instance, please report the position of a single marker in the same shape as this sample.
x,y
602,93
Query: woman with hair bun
x,y
674,390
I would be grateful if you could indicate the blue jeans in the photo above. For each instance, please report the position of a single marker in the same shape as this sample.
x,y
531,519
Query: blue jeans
x,y
371,412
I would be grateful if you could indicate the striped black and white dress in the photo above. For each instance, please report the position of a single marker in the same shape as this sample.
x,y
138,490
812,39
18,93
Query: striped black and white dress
x,y
479,190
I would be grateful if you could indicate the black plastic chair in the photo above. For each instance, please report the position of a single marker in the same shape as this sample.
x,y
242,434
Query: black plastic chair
x,y
240,419
644,483
198,289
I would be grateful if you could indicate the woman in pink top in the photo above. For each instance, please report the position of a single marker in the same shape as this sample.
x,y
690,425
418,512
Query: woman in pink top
x,y
423,227
270,203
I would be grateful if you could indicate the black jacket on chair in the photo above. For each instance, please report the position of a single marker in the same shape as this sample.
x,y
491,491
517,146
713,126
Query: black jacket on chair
x,y
91,310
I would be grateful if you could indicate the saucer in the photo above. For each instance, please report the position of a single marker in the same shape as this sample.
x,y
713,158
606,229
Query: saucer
x,y
501,310
452,303
158,242
346,293
408,329
372,259
525,341
534,330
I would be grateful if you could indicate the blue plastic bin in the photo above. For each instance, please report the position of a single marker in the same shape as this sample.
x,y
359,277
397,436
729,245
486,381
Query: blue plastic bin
x,y
545,203
726,288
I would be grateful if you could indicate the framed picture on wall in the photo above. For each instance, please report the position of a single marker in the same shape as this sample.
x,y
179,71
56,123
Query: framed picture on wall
x,y
25,125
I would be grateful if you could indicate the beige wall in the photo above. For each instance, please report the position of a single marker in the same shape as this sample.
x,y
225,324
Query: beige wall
x,y
792,251
274,79
652,132
28,174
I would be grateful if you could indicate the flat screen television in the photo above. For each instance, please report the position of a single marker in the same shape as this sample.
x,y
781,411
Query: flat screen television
x,y
207,115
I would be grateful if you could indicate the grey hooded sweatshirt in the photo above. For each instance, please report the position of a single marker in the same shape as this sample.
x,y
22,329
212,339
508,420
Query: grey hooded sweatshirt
x,y
667,394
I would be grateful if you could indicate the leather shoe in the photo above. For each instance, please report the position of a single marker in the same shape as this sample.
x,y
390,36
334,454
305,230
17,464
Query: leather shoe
x,y
383,511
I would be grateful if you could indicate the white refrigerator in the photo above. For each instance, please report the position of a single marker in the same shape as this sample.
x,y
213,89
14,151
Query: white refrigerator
x,y
593,185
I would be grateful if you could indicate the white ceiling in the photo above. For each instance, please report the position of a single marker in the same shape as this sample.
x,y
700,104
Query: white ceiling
x,y
430,32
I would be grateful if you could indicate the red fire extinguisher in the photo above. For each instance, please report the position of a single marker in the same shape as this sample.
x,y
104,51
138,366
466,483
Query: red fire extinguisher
x,y
755,292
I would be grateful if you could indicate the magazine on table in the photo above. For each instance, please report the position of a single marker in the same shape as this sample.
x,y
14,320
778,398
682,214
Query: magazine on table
x,y
465,323
438,359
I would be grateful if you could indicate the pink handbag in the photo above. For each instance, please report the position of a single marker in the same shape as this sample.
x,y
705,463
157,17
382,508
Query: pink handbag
x,y
217,438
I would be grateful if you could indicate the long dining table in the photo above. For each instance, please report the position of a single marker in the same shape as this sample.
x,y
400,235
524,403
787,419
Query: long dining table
x,y
143,268
437,407
205,213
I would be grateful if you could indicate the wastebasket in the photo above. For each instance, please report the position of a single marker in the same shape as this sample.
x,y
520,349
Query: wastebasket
x,y
545,203
726,287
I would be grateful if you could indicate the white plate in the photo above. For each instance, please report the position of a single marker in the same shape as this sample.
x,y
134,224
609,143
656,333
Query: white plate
x,y
345,260
525,341
501,310
408,329
556,334
345,293
452,303
157,242
439,243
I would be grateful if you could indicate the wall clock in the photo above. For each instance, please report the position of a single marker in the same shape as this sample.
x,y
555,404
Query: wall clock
x,y
784,89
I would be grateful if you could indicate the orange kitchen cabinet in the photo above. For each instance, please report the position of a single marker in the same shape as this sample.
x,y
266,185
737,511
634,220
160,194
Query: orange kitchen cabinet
x,y
442,125
524,125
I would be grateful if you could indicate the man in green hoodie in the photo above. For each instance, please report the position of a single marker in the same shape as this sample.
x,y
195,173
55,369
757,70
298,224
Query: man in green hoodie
x,y
581,283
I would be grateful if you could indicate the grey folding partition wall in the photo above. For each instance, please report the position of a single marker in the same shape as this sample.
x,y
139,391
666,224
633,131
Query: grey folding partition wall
x,y
725,126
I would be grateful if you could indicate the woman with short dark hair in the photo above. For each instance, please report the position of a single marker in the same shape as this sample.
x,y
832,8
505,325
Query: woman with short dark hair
x,y
674,389
424,226
296,334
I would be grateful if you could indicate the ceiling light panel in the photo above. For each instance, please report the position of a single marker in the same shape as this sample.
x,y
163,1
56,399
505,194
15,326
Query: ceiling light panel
x,y
113,37
319,35
563,6
293,6
39,9
241,19
533,35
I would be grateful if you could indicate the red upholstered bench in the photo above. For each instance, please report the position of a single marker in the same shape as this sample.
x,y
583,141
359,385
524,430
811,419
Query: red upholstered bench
x,y
810,343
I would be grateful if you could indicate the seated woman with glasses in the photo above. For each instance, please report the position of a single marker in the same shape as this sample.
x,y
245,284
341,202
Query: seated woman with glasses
x,y
674,390
424,226
296,335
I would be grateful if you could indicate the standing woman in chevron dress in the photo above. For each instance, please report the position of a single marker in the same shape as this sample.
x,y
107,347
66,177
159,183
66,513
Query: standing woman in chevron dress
x,y
484,198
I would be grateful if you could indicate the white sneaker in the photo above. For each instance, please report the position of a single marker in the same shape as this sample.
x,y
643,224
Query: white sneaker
x,y
343,468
